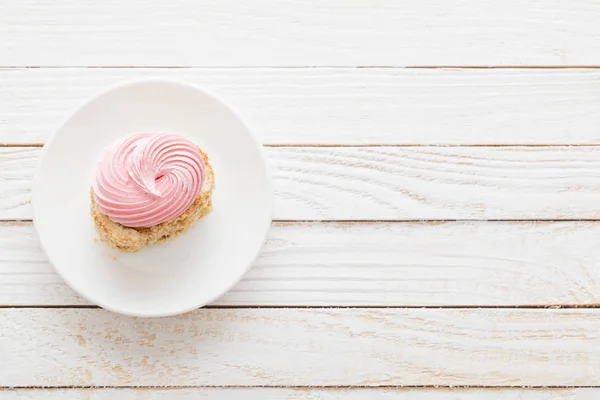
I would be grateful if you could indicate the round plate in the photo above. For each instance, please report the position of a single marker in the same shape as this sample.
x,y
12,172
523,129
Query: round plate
x,y
192,269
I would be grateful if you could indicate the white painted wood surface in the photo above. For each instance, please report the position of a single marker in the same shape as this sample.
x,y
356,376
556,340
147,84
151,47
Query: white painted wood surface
x,y
302,347
300,394
255,54
397,183
373,264
341,105
302,32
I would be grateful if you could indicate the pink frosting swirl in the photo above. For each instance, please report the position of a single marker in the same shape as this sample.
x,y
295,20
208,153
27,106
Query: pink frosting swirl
x,y
148,179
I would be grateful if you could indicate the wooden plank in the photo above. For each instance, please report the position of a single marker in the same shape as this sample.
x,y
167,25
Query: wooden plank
x,y
273,33
342,105
300,347
17,168
301,394
398,183
373,264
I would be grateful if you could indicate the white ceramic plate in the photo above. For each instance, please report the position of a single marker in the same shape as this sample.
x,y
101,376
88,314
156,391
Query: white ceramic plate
x,y
191,270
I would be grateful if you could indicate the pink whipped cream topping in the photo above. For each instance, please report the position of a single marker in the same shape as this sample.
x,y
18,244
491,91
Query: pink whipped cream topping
x,y
148,179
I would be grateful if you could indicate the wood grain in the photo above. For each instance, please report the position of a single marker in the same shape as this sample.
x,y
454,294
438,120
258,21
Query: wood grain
x,y
372,264
397,183
301,394
341,105
291,33
299,347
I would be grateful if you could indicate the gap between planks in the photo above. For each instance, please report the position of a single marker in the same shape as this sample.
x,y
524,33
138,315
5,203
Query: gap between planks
x,y
375,221
303,66
301,387
17,222
336,393
342,307
334,145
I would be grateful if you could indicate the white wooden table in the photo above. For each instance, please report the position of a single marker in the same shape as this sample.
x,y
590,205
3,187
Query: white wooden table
x,y
437,209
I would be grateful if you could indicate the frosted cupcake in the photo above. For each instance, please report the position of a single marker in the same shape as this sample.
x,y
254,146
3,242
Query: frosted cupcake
x,y
149,189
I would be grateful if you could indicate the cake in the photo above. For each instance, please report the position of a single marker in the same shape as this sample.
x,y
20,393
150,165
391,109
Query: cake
x,y
150,188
